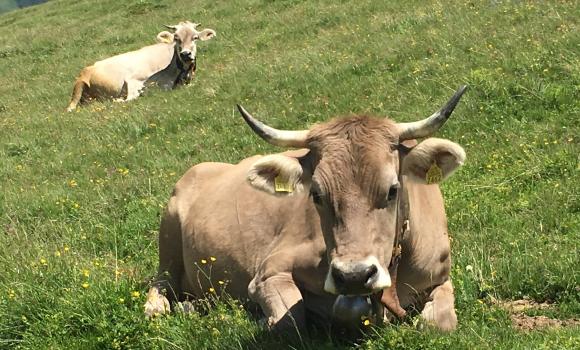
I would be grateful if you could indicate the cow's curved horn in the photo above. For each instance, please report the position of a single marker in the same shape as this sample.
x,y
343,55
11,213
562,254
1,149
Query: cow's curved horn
x,y
170,27
428,126
284,138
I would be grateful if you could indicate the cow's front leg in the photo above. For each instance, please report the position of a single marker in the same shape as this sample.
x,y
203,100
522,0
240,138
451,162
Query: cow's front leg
x,y
439,311
280,300
134,89
157,303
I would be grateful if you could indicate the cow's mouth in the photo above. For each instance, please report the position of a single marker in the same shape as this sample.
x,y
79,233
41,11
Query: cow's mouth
x,y
186,58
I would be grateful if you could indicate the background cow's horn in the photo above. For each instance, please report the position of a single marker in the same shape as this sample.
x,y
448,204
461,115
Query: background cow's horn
x,y
428,126
283,138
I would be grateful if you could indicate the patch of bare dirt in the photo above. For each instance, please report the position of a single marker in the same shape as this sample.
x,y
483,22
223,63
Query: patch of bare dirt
x,y
530,323
524,322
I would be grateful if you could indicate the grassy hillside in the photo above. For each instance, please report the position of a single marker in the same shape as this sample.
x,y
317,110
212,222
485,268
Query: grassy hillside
x,y
82,192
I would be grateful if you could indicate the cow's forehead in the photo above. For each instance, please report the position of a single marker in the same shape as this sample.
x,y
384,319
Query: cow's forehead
x,y
186,34
184,29
187,24
355,134
354,151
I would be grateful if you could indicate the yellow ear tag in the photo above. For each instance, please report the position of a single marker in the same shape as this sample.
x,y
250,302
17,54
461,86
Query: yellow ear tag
x,y
282,185
434,174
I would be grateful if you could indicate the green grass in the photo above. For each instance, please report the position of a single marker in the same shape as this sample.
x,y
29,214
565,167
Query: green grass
x,y
82,192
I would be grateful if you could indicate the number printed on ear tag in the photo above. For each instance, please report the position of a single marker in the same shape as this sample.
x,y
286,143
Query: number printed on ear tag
x,y
282,185
434,174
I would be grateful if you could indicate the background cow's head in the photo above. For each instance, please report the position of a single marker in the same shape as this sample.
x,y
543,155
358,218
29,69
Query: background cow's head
x,y
184,35
352,174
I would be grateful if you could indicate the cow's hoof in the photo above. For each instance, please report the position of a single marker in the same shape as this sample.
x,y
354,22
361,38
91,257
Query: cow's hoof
x,y
444,319
156,305
186,307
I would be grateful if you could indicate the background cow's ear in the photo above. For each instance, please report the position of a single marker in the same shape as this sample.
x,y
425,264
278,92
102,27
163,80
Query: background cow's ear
x,y
433,160
206,34
278,174
165,37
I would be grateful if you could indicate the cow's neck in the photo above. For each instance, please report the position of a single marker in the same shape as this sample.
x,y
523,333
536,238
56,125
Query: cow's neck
x,y
183,68
389,296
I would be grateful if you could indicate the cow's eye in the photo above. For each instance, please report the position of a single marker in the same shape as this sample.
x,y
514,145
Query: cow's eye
x,y
392,193
316,196
389,198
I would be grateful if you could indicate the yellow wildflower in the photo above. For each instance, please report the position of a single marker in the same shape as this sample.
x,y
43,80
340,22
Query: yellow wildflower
x,y
86,273
43,261
85,285
212,258
135,294
211,290
366,322
123,171
221,282
203,261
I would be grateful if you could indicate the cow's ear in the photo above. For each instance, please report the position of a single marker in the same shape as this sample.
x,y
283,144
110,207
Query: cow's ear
x,y
206,34
279,174
433,160
165,37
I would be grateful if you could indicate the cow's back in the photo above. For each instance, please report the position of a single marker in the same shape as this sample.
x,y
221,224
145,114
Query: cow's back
x,y
111,74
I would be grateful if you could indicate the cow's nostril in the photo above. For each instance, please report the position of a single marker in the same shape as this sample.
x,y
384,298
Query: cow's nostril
x,y
370,272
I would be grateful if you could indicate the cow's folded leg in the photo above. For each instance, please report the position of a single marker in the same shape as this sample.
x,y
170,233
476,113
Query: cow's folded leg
x,y
157,303
134,89
281,302
166,287
439,311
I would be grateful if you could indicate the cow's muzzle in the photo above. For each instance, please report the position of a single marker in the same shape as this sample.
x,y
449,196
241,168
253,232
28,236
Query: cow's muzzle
x,y
186,56
356,278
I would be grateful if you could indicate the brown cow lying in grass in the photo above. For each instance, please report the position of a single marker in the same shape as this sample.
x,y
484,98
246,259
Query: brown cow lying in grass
x,y
168,63
351,227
